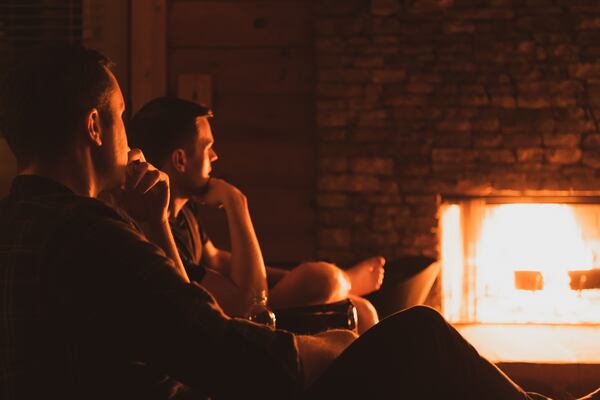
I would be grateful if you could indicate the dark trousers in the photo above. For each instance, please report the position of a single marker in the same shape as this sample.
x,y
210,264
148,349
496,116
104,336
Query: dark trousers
x,y
414,354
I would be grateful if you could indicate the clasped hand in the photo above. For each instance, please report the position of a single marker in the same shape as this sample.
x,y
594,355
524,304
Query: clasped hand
x,y
146,191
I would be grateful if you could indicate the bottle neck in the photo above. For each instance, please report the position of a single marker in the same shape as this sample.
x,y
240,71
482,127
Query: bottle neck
x,y
260,297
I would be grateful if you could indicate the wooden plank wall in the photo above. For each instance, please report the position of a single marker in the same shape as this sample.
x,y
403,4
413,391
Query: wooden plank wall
x,y
259,57
8,168
147,53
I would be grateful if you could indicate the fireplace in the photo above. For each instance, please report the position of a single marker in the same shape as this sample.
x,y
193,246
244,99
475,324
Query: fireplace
x,y
465,98
522,267
521,260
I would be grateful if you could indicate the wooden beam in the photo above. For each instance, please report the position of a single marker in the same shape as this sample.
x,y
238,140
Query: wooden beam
x,y
148,51
106,29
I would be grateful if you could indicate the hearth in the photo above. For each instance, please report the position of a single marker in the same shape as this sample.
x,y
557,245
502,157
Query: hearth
x,y
521,275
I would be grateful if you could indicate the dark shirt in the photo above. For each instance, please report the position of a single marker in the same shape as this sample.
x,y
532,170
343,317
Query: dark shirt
x,y
83,295
190,239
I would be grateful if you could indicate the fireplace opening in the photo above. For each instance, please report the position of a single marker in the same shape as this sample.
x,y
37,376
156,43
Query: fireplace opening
x,y
522,267
509,261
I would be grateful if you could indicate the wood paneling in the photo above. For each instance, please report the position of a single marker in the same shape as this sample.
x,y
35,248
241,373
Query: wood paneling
x,y
272,165
274,204
106,29
283,220
258,56
148,51
266,118
247,70
8,168
226,23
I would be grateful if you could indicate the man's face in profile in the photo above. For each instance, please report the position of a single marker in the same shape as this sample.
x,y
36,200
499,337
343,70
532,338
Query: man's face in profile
x,y
113,152
200,158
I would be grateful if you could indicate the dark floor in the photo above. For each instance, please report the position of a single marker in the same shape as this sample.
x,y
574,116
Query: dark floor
x,y
560,381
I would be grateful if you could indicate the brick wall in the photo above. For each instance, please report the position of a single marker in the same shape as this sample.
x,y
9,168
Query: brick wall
x,y
418,99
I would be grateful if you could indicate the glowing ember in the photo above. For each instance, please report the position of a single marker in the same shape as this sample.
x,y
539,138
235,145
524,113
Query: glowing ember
x,y
490,253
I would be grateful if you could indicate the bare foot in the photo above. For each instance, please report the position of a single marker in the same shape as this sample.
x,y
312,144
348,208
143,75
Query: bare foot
x,y
366,276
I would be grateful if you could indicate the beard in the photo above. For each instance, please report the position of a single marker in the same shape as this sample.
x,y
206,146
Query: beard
x,y
109,169
198,189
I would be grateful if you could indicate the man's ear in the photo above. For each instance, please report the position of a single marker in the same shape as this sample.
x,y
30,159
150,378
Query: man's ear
x,y
179,160
93,126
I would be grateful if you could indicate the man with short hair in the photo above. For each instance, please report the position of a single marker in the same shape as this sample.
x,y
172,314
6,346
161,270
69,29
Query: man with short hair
x,y
176,136
87,294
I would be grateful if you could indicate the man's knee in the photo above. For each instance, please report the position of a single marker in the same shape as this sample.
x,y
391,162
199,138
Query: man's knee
x,y
418,317
425,313
325,280
364,303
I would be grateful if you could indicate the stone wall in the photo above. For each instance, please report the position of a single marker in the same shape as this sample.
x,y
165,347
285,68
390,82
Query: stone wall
x,y
421,99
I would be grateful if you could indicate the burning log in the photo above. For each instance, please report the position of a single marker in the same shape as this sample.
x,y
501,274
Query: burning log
x,y
529,280
585,279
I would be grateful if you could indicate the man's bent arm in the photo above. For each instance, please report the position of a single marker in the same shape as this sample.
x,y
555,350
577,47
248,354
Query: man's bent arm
x,y
160,234
247,264
215,258
247,268
176,325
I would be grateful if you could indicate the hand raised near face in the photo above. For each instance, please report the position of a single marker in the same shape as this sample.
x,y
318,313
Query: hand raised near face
x,y
220,193
146,192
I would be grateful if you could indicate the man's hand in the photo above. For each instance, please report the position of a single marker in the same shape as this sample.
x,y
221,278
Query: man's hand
x,y
317,352
338,339
221,194
146,194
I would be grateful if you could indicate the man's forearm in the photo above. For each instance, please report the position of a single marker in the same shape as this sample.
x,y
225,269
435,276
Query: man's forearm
x,y
247,268
160,234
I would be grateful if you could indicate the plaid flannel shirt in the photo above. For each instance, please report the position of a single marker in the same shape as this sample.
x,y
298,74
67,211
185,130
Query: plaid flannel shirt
x,y
83,296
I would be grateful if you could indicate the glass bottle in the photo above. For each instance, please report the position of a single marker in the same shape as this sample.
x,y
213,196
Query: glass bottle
x,y
259,311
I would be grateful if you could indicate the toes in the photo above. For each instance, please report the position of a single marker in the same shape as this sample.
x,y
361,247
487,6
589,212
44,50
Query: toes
x,y
379,262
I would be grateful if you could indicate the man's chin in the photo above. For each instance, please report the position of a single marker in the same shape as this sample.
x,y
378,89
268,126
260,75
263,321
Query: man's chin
x,y
201,189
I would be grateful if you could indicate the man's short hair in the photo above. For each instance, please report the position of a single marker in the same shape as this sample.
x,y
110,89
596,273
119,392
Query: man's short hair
x,y
45,96
163,125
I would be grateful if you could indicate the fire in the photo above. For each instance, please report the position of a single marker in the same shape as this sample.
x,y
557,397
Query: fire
x,y
452,262
510,263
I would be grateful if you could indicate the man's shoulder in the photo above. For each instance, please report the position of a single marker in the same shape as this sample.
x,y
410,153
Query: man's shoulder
x,y
186,219
189,218
88,207
63,206
40,225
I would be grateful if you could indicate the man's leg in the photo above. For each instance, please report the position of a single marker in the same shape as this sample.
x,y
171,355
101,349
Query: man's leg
x,y
308,284
414,354
317,283
366,276
365,312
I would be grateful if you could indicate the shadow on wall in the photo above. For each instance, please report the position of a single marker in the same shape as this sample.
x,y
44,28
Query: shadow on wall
x,y
8,168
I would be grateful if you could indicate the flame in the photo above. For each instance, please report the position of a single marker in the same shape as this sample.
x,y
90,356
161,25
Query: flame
x,y
452,261
482,250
